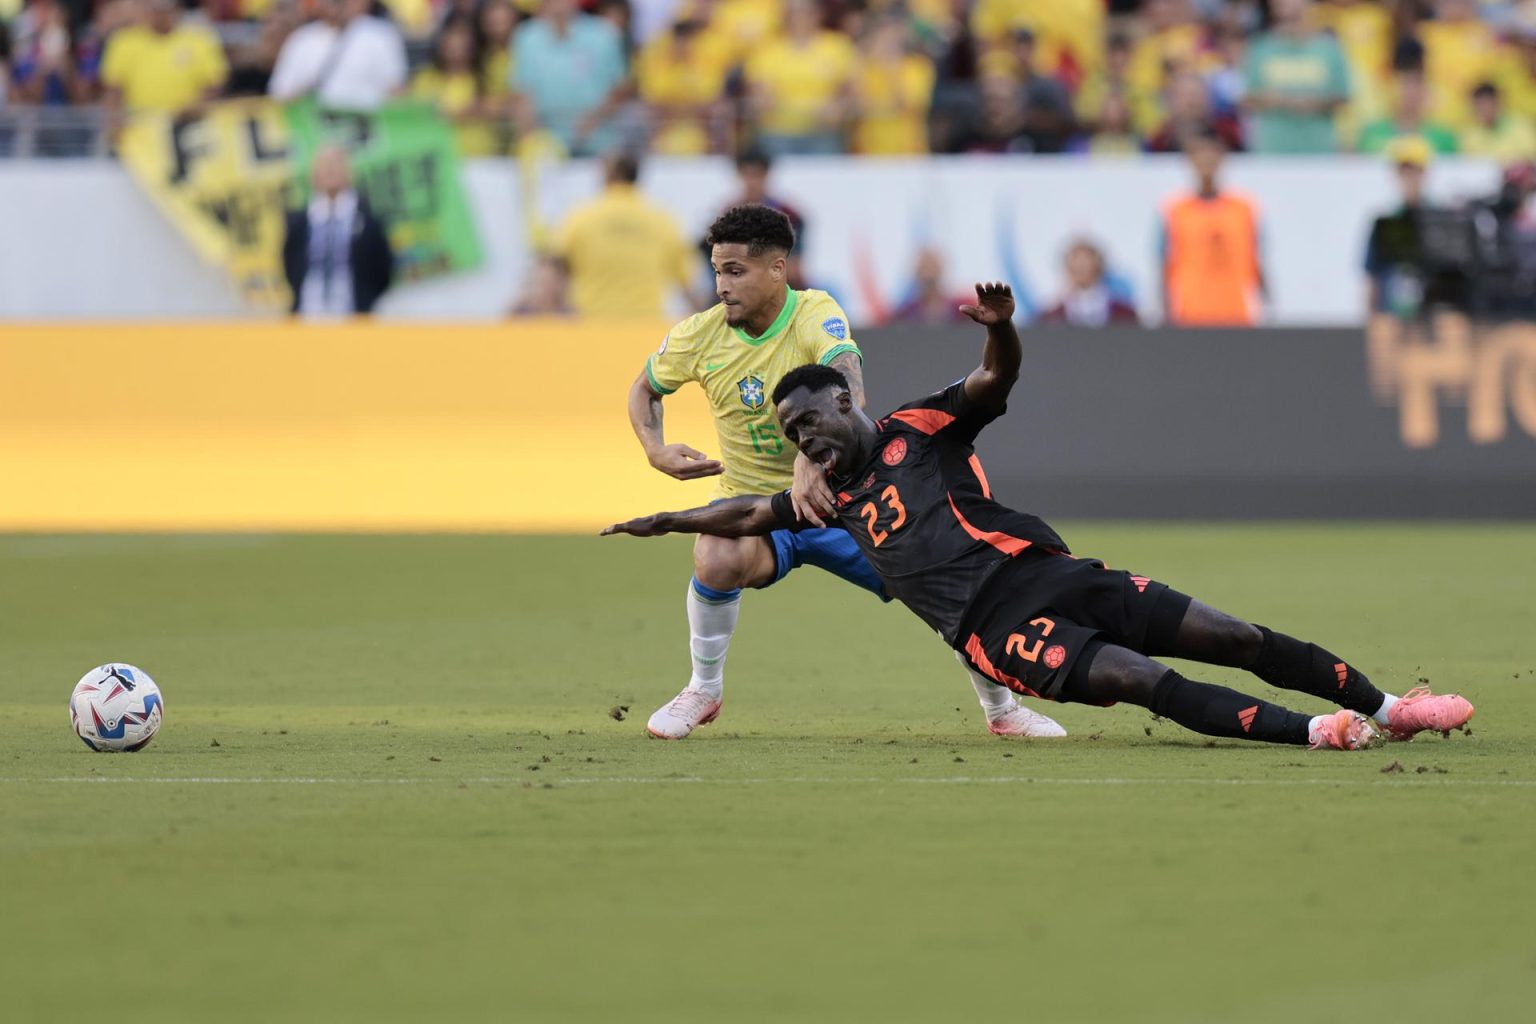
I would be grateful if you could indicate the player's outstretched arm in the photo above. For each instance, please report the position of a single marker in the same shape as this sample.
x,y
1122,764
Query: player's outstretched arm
x,y
988,385
750,516
676,460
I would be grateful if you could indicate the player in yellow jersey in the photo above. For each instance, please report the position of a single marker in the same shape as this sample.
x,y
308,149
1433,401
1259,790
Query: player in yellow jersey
x,y
736,352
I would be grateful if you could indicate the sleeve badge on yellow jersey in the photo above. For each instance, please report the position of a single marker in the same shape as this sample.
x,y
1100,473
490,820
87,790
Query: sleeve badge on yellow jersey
x,y
835,326
663,350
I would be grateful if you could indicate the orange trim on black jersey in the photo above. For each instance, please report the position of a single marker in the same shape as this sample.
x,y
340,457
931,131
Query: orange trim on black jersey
x,y
929,421
986,488
1005,543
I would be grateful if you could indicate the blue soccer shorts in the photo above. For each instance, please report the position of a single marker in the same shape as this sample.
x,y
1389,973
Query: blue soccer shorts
x,y
831,549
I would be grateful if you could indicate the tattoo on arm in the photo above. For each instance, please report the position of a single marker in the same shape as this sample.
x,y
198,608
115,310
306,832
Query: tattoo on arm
x,y
650,425
645,415
852,368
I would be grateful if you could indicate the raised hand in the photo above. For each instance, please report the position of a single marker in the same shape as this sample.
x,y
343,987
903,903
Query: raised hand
x,y
994,304
684,463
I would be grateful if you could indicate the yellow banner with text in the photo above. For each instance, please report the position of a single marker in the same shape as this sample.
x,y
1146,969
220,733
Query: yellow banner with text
x,y
362,426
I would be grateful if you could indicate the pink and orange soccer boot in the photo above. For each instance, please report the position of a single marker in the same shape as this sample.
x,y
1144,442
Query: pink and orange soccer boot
x,y
688,710
1343,730
1419,710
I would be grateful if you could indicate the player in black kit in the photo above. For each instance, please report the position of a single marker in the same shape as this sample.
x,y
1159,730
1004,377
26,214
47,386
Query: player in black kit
x,y
1002,588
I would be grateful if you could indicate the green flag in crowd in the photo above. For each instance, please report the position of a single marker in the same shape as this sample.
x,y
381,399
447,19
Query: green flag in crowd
x,y
405,165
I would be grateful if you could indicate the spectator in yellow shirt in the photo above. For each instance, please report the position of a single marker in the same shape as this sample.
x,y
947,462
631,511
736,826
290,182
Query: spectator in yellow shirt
x,y
454,84
1174,40
800,85
494,25
745,25
1495,133
1459,52
1364,31
625,255
1113,79
1517,72
1070,33
166,65
893,90
681,75
412,17
1112,134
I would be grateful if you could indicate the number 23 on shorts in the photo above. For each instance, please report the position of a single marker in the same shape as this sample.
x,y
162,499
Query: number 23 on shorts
x,y
871,514
1019,643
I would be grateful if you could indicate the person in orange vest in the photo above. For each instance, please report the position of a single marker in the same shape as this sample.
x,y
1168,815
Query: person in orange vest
x,y
1213,271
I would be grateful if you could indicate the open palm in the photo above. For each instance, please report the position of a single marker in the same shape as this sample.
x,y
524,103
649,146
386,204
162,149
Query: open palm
x,y
994,304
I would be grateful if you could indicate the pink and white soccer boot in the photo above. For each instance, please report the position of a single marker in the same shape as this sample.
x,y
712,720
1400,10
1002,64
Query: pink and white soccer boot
x,y
688,710
1021,721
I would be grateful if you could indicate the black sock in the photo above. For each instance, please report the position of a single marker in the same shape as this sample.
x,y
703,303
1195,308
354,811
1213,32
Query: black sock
x,y
1218,711
1292,665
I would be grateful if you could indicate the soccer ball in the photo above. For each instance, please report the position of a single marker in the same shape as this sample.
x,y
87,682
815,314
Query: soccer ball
x,y
116,707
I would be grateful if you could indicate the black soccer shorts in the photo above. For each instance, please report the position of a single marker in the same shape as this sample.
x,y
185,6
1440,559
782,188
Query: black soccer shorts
x,y
1037,616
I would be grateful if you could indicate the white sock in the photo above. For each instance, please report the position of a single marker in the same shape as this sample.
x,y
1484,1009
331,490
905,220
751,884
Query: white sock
x,y
1312,725
1387,700
995,700
710,625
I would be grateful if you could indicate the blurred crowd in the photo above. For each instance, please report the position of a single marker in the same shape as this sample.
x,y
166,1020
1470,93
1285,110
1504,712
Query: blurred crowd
x,y
877,77
1476,258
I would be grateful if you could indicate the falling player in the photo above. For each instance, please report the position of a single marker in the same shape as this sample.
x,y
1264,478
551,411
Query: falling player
x,y
737,352
1002,589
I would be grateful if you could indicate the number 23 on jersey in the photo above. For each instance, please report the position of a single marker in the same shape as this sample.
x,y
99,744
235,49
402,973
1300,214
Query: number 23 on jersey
x,y
872,514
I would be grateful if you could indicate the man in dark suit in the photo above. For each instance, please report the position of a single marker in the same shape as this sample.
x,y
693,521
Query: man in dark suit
x,y
335,253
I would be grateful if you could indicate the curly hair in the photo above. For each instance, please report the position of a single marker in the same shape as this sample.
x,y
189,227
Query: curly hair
x,y
811,376
759,228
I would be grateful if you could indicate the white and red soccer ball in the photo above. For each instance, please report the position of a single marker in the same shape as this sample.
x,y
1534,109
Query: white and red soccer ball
x,y
116,708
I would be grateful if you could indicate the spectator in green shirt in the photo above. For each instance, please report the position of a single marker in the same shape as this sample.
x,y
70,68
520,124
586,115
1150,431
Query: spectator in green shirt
x,y
1296,80
1410,101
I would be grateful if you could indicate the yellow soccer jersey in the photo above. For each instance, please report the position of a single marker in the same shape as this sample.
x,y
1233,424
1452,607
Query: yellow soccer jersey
x,y
739,372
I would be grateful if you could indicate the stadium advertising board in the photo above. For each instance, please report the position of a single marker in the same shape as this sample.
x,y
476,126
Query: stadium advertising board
x,y
1428,372
276,426
1233,424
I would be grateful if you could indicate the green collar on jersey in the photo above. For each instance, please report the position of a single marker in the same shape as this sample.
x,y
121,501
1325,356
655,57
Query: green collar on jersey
x,y
791,299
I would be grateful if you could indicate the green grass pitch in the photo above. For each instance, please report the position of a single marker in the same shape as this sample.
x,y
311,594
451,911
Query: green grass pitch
x,y
390,788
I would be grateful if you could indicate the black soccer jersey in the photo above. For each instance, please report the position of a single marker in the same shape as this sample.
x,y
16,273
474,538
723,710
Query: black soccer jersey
x,y
922,511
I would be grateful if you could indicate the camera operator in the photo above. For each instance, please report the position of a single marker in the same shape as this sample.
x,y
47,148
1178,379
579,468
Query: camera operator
x,y
1506,230
1420,256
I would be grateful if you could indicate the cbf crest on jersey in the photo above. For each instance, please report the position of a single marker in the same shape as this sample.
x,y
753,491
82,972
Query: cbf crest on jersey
x,y
751,392
836,326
